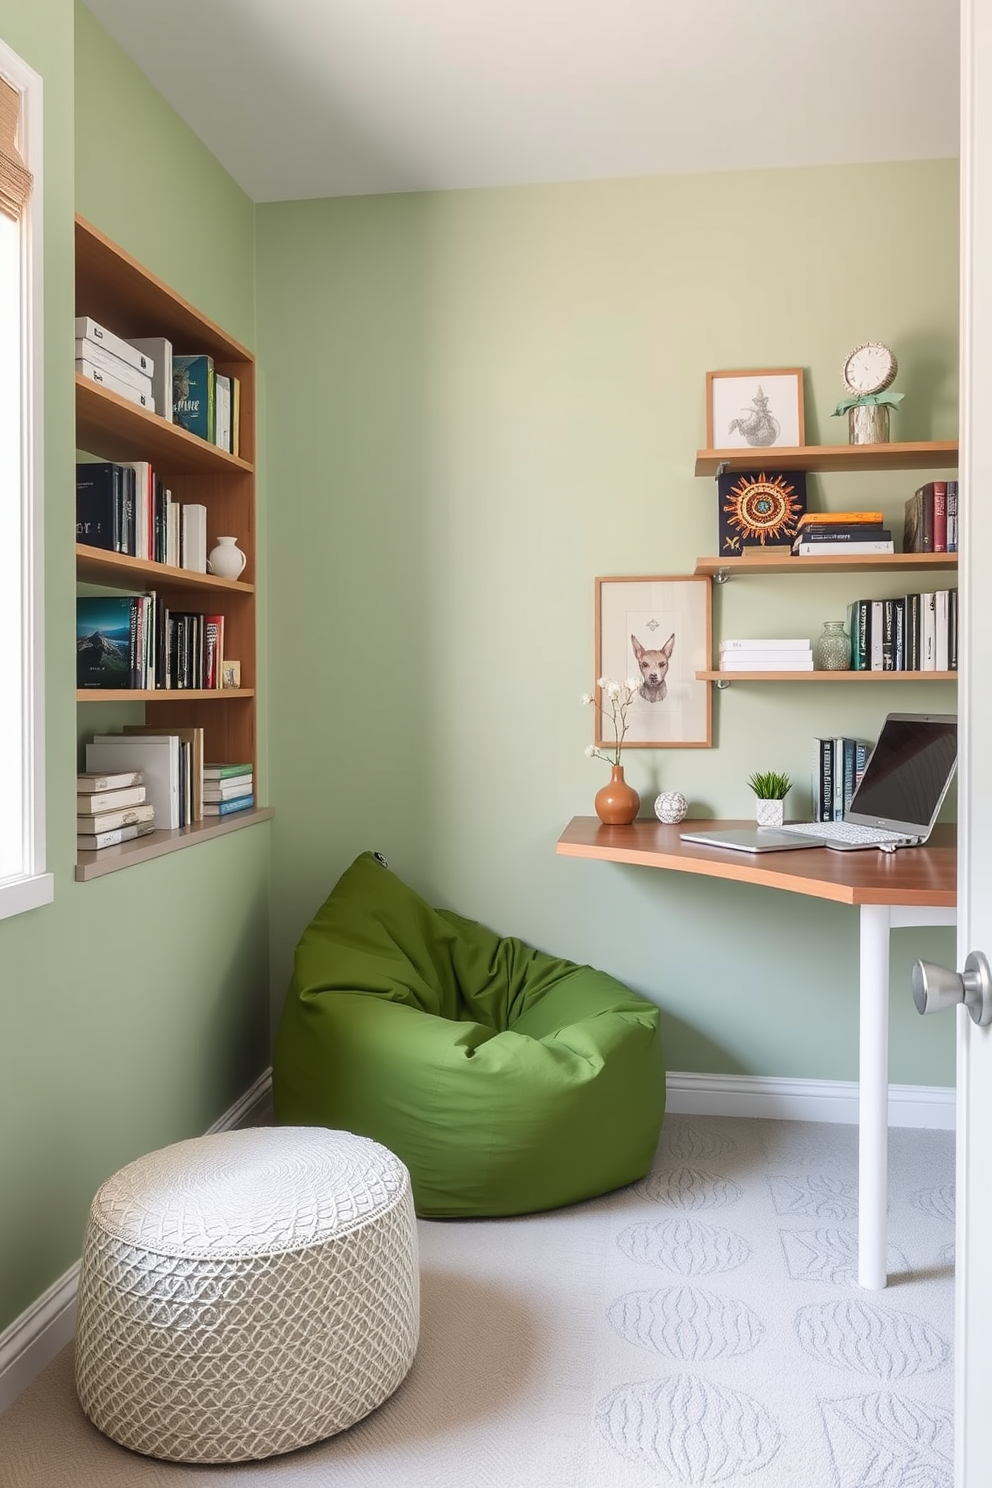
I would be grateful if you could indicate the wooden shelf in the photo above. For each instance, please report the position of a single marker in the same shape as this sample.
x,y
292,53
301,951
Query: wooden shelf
x,y
926,455
158,844
116,429
728,677
757,561
118,571
162,694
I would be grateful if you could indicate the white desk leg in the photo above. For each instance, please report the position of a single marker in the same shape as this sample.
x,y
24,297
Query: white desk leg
x,y
873,1096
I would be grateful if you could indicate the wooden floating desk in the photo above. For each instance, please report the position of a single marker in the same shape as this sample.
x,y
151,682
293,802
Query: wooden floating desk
x,y
914,886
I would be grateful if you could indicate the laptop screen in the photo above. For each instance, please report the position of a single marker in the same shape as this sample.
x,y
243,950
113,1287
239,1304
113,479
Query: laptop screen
x,y
909,770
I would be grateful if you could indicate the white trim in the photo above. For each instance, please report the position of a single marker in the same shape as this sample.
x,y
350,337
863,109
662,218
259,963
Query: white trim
x,y
34,888
803,1100
43,1329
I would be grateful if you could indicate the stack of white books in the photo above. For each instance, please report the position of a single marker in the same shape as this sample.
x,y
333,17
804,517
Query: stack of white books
x,y
767,654
114,363
111,808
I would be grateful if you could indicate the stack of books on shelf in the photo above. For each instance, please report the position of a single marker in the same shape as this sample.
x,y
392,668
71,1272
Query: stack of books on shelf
x,y
111,808
931,524
114,363
838,765
768,655
227,788
206,402
911,633
820,534
126,641
170,761
127,509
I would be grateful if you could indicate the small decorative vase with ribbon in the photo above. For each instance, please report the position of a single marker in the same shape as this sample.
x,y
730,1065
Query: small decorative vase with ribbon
x,y
617,803
868,416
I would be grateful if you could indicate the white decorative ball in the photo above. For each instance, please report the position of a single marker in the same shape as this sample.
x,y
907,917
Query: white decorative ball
x,y
671,807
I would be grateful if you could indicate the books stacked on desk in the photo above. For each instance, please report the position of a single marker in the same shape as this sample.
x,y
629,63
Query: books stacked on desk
x,y
111,808
113,363
772,654
227,788
820,534
838,765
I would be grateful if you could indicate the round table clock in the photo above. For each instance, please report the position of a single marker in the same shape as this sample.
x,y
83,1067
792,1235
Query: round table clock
x,y
870,368
868,371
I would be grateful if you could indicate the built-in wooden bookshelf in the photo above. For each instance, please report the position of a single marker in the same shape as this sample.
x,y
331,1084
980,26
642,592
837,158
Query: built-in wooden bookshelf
x,y
116,290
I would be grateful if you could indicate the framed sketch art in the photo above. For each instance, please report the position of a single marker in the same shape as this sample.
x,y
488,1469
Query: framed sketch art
x,y
659,630
755,410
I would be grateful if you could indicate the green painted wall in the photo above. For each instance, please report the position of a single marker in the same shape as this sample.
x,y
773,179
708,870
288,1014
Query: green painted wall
x,y
133,1011
479,401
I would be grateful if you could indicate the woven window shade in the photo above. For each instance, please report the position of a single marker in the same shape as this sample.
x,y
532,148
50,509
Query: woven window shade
x,y
15,178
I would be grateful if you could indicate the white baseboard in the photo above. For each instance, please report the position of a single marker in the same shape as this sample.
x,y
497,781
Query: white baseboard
x,y
804,1100
33,1339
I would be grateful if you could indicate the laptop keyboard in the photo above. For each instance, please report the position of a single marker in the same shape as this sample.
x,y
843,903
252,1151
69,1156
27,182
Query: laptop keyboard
x,y
841,832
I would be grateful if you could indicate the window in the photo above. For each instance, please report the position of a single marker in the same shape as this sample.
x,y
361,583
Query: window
x,y
23,881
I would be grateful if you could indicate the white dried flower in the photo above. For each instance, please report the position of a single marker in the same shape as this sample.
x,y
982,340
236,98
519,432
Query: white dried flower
x,y
586,697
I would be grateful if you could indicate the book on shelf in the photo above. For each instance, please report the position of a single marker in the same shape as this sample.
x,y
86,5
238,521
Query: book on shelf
x,y
193,538
925,524
222,422
823,518
760,661
144,501
235,415
94,803
952,516
93,842
230,792
928,644
838,532
115,384
193,393
214,650
227,808
120,781
100,506
192,736
766,643
111,821
157,755
227,771
823,548
99,356
157,350
88,329
104,641
952,630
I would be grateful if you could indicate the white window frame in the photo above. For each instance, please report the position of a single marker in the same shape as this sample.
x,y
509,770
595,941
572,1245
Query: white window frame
x,y
32,886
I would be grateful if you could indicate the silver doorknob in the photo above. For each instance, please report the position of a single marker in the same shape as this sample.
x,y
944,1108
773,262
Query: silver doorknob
x,y
936,988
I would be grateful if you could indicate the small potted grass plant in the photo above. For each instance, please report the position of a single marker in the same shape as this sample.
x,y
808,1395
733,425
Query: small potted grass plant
x,y
770,789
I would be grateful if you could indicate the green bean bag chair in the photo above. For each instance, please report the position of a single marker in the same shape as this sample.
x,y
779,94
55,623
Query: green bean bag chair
x,y
506,1080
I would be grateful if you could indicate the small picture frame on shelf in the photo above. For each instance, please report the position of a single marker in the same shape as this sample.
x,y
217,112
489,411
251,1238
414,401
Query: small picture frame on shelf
x,y
757,410
759,509
230,674
657,629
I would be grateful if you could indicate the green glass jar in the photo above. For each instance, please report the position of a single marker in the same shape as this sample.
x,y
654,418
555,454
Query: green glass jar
x,y
833,649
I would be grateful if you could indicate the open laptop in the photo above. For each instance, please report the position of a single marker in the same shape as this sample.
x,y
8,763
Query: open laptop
x,y
896,801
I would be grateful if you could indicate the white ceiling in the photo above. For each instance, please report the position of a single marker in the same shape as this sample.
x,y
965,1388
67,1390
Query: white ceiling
x,y
308,98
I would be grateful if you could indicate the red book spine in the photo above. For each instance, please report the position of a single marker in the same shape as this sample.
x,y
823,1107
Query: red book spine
x,y
939,516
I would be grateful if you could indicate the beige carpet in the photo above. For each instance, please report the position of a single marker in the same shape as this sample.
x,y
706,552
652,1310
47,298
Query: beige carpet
x,y
698,1328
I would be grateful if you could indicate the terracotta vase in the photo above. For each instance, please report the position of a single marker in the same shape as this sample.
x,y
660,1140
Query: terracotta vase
x,y
617,803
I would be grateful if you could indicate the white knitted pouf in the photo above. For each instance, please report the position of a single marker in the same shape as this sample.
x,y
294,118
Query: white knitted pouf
x,y
247,1293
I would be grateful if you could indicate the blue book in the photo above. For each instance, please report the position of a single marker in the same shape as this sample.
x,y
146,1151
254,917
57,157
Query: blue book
x,y
105,626
225,808
193,395
100,506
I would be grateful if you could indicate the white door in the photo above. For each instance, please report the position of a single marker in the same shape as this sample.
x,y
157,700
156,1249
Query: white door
x,y
973,1312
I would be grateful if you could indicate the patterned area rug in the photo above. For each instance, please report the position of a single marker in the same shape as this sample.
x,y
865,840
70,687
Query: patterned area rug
x,y
701,1327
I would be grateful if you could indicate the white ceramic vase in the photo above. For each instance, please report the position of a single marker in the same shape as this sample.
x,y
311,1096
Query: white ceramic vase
x,y
769,813
226,560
